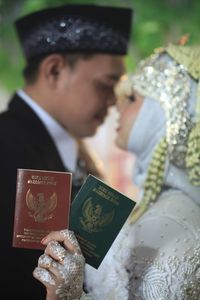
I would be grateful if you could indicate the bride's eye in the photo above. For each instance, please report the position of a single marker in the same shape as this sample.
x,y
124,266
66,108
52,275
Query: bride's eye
x,y
131,98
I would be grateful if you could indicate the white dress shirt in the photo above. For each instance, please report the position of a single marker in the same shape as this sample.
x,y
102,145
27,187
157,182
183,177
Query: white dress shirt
x,y
65,143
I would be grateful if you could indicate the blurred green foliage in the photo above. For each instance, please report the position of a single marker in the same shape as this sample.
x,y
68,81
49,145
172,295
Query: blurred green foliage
x,y
156,22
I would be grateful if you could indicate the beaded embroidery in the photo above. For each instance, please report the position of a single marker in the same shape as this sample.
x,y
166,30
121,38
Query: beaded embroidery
x,y
156,282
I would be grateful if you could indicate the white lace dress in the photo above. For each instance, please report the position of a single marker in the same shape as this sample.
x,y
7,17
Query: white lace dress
x,y
157,258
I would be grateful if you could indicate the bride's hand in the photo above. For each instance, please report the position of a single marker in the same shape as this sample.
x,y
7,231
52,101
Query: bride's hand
x,y
61,266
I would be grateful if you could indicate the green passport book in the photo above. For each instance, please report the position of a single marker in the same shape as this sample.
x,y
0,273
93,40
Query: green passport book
x,y
98,212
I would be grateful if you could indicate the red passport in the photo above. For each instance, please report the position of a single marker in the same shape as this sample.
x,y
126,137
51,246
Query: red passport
x,y
42,205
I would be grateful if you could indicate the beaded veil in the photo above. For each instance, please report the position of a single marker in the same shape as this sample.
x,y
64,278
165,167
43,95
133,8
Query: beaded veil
x,y
166,77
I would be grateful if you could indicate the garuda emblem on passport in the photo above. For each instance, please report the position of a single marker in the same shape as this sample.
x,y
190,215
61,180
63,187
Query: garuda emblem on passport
x,y
94,219
40,208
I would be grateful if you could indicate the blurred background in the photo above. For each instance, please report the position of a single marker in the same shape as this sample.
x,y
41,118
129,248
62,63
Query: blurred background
x,y
155,23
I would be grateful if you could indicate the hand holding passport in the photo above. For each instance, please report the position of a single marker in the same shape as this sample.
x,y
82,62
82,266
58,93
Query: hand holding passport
x,y
42,205
97,213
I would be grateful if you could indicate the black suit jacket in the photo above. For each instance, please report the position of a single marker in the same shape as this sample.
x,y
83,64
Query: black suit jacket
x,y
24,143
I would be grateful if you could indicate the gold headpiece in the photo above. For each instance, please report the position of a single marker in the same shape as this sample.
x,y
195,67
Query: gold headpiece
x,y
189,57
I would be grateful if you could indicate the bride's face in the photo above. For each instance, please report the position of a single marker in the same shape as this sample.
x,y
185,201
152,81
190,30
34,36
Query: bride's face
x,y
128,109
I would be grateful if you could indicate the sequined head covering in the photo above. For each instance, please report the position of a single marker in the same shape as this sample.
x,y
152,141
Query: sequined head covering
x,y
170,77
75,28
168,81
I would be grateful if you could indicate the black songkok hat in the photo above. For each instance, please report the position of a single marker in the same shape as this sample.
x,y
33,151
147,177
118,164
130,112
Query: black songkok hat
x,y
75,29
